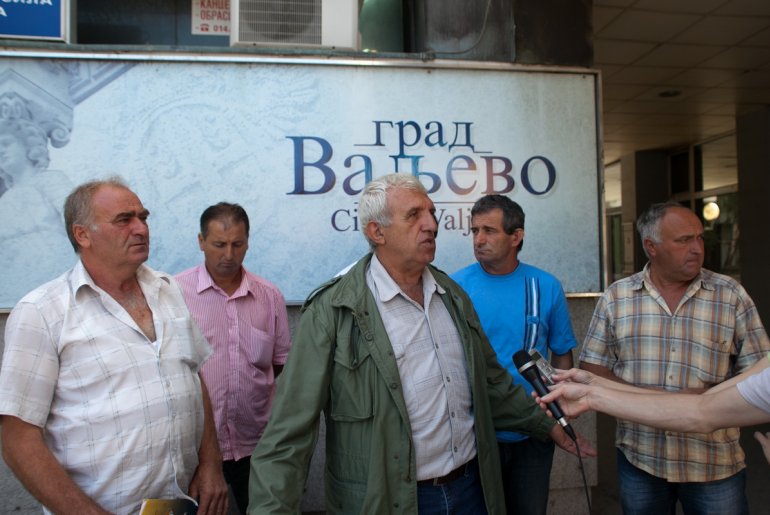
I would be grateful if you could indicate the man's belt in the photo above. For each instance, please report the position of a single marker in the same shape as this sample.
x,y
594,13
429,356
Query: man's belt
x,y
448,478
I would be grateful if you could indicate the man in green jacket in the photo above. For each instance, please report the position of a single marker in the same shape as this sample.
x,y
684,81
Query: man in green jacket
x,y
394,355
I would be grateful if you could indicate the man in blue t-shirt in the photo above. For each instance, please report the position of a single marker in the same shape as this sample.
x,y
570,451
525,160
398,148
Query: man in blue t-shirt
x,y
520,307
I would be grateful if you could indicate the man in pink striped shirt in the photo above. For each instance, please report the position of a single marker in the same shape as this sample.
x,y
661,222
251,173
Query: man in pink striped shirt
x,y
243,317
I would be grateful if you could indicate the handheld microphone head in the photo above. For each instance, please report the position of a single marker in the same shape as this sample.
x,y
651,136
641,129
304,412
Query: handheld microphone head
x,y
523,361
529,371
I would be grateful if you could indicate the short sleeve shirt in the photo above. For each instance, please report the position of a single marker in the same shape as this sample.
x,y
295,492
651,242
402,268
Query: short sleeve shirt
x,y
714,334
123,415
523,310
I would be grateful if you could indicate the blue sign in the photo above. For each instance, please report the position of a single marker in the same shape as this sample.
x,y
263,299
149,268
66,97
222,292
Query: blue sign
x,y
33,19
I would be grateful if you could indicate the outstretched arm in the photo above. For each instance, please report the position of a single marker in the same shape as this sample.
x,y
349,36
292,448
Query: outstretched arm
x,y
608,375
675,412
584,376
601,376
756,368
30,459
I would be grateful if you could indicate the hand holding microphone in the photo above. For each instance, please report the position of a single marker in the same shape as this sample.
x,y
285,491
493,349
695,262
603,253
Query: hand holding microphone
x,y
529,371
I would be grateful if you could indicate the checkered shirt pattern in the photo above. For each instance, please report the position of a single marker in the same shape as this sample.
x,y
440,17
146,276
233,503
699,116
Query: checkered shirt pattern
x,y
123,415
714,333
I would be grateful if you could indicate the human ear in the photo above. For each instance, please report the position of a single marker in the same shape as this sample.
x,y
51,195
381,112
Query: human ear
x,y
374,233
82,235
649,246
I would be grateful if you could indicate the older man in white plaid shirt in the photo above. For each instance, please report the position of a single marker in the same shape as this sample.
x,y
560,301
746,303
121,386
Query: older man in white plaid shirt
x,y
100,397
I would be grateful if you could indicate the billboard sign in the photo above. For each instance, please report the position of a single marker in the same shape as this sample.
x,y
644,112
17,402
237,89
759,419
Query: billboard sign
x,y
294,142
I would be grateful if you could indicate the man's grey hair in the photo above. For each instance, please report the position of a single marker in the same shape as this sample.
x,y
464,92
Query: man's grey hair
x,y
648,223
79,209
373,206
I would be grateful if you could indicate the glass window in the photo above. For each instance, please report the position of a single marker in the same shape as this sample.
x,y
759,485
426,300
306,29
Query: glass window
x,y
716,164
615,247
714,197
612,189
719,214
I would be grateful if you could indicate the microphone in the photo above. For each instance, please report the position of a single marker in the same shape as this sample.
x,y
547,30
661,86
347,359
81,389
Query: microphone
x,y
529,371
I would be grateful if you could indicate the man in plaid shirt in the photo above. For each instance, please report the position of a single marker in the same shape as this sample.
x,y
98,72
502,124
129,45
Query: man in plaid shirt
x,y
675,327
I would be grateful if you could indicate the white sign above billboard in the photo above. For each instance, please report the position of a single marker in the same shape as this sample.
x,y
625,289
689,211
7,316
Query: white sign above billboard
x,y
210,17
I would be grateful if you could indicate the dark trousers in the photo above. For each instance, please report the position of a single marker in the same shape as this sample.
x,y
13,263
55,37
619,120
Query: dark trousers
x,y
642,493
237,476
461,496
526,475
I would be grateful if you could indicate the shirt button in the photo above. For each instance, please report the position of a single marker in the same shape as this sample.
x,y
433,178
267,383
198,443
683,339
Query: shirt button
x,y
393,385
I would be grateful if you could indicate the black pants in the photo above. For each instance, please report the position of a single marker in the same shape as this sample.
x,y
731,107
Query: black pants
x,y
526,475
237,476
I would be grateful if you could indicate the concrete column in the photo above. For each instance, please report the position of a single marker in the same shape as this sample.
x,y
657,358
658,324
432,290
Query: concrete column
x,y
753,147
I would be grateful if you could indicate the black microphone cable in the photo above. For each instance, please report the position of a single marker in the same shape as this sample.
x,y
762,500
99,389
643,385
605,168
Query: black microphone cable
x,y
583,473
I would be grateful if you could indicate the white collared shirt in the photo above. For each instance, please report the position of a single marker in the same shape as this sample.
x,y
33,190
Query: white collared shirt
x,y
123,415
433,370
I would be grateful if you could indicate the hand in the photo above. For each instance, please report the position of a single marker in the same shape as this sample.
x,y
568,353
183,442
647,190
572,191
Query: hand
x,y
575,375
561,439
572,398
764,441
208,486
